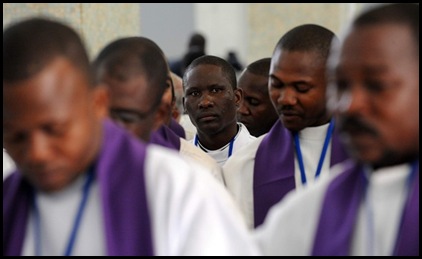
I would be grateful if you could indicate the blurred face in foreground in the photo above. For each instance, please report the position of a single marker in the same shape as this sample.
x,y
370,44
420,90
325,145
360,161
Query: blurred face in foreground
x,y
376,91
52,124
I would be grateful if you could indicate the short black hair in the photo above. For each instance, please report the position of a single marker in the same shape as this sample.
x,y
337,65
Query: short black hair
x,y
31,44
308,38
226,68
131,56
260,67
406,14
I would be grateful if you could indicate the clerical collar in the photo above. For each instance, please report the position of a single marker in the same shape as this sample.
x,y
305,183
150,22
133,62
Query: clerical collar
x,y
198,143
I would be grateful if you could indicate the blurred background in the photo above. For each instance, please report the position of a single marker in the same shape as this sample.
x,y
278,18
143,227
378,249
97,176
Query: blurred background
x,y
250,30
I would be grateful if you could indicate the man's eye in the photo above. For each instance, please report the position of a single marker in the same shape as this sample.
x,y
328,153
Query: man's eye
x,y
375,86
15,138
55,130
302,88
215,90
253,101
193,93
124,117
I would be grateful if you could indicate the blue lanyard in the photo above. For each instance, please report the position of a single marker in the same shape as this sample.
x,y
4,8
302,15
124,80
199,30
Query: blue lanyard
x,y
230,145
73,234
323,152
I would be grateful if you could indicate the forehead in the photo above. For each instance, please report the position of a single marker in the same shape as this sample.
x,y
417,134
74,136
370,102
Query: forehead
x,y
289,64
134,92
204,75
53,91
251,82
378,44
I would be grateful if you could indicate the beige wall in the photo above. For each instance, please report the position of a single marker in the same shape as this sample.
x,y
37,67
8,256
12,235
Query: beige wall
x,y
268,22
98,24
253,30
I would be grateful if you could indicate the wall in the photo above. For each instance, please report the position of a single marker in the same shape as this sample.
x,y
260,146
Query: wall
x,y
225,26
252,30
169,25
268,22
98,24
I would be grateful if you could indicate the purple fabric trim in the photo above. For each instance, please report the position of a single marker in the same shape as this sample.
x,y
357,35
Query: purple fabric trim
x,y
16,199
119,170
339,212
274,168
273,171
165,137
407,243
177,128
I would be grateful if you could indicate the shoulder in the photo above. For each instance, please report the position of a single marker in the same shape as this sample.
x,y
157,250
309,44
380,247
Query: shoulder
x,y
243,159
195,154
246,152
167,170
244,135
290,224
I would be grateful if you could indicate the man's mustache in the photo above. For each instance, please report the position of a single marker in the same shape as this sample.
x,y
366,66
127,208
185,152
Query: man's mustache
x,y
354,125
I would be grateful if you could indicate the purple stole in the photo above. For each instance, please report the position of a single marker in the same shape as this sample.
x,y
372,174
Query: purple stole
x,y
177,128
119,172
339,212
274,168
165,137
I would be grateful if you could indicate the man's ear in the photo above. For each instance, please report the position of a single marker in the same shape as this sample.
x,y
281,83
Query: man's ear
x,y
163,114
100,101
184,106
238,95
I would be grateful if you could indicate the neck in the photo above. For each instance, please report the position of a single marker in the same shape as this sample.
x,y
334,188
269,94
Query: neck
x,y
218,140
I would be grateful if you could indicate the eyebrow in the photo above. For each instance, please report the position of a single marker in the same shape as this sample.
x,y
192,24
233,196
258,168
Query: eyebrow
x,y
373,69
294,82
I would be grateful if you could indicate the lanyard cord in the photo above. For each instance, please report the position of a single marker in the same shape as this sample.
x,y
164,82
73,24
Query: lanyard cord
x,y
230,145
323,152
75,228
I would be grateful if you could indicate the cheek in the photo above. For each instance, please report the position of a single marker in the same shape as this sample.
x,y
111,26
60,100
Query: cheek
x,y
313,104
400,129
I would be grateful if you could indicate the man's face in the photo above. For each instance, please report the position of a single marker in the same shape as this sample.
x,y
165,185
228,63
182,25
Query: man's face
x,y
297,88
256,110
131,104
377,90
210,100
51,124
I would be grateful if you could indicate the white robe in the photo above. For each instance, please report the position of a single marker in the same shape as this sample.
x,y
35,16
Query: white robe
x,y
8,164
192,153
221,155
290,226
190,212
238,170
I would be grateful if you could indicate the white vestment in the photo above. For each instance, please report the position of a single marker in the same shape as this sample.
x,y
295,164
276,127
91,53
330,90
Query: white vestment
x,y
190,212
239,169
290,226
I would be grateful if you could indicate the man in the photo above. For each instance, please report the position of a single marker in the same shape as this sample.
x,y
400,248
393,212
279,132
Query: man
x,y
371,206
84,186
211,100
136,74
302,145
256,111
